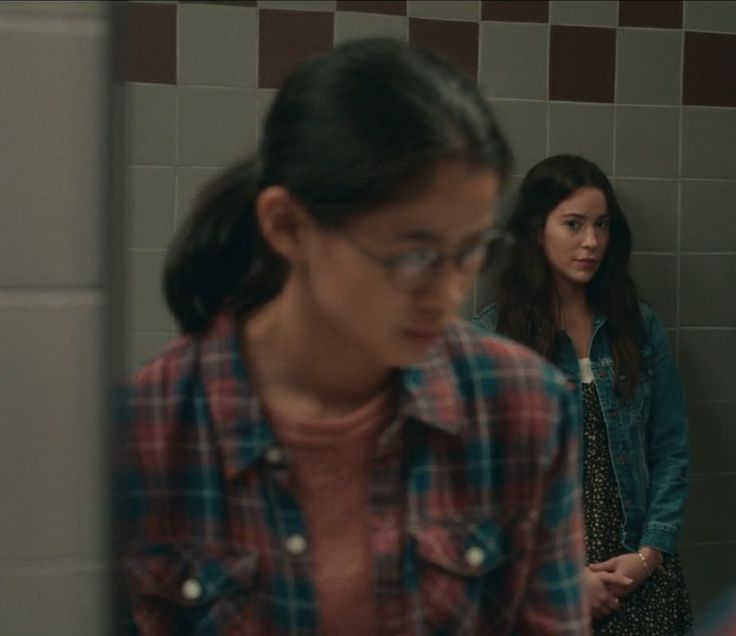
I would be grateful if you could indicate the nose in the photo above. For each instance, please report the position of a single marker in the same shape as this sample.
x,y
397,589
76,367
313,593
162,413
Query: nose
x,y
448,289
590,238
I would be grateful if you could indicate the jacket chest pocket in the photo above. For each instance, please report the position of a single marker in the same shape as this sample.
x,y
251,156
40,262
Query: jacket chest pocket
x,y
190,588
461,567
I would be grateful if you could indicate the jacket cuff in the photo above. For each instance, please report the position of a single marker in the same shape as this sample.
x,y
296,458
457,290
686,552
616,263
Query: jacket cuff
x,y
659,537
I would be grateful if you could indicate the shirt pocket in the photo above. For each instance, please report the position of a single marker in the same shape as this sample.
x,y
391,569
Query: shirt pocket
x,y
461,566
190,588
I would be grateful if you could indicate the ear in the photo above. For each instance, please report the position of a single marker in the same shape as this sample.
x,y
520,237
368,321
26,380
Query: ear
x,y
283,222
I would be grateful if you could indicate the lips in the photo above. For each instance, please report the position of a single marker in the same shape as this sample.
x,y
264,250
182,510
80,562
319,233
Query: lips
x,y
423,335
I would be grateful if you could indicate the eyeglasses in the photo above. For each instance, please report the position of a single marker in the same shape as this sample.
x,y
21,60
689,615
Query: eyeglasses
x,y
417,268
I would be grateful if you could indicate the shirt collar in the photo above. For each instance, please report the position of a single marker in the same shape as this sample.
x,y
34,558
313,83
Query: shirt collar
x,y
431,394
432,390
240,426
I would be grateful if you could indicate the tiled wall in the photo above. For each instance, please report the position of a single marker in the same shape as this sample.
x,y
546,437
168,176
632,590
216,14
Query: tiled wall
x,y
646,89
54,330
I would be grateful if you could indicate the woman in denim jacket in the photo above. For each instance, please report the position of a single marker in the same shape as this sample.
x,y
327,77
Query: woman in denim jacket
x,y
566,292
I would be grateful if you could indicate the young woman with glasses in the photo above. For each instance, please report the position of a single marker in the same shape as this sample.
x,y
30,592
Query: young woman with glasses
x,y
327,448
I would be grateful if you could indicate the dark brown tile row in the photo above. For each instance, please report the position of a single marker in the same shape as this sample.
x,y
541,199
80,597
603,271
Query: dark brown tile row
x,y
709,69
287,38
582,64
454,39
149,43
515,11
389,7
232,3
662,14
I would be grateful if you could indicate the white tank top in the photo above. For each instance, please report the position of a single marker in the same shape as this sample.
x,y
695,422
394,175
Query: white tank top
x,y
586,372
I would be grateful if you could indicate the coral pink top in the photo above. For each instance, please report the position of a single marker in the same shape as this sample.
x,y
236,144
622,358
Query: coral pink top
x,y
330,462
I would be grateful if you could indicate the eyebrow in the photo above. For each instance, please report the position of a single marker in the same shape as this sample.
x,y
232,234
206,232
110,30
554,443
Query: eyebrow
x,y
423,235
577,215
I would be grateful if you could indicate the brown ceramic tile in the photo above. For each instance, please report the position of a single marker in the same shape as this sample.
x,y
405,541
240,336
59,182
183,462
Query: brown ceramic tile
x,y
388,7
232,3
582,65
149,43
709,74
515,11
287,38
658,14
453,39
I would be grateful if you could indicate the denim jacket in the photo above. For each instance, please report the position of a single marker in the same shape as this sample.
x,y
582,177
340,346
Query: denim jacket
x,y
647,435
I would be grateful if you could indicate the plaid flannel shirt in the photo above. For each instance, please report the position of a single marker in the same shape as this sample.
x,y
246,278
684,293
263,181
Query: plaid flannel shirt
x,y
475,498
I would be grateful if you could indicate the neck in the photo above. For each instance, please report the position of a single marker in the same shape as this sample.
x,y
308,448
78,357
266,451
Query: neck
x,y
295,356
573,302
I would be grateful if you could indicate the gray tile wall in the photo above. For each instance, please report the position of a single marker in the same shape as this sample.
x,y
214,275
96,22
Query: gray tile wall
x,y
673,165
54,326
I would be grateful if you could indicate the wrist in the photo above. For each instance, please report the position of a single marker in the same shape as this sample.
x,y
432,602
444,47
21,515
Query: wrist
x,y
652,556
650,559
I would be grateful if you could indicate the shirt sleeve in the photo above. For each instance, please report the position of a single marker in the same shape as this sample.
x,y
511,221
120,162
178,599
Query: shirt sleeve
x,y
554,602
135,517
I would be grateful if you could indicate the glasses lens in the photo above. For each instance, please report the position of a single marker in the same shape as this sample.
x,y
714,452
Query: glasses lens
x,y
473,257
414,269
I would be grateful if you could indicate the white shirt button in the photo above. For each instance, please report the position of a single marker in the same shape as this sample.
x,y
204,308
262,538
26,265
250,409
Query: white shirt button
x,y
191,589
475,557
274,455
296,545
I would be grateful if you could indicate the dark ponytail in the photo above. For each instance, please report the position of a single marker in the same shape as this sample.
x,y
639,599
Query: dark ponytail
x,y
350,130
216,251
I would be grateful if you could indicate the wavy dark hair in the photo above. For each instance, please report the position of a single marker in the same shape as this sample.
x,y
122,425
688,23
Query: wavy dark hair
x,y
350,130
526,294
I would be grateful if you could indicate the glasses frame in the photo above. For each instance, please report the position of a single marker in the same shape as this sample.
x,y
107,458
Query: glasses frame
x,y
423,279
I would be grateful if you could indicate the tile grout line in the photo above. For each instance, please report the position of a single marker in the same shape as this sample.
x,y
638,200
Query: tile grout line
x,y
176,121
548,140
678,262
614,167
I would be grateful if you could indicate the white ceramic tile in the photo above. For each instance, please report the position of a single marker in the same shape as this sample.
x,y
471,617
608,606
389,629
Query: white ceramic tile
x,y
52,429
350,26
468,10
150,111
218,45
50,155
216,126
150,206
54,600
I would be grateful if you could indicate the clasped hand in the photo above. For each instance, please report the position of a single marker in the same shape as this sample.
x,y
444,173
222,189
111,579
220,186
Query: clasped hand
x,y
609,581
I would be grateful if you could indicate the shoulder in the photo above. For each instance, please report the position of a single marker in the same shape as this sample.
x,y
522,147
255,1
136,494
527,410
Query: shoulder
x,y
150,395
648,316
510,394
499,362
654,334
487,318
165,371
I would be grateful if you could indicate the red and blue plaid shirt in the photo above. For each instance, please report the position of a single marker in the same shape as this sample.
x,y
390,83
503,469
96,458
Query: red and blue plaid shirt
x,y
475,506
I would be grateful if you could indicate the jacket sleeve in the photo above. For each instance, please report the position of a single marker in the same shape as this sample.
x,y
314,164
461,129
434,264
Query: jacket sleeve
x,y
554,601
667,445
486,319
